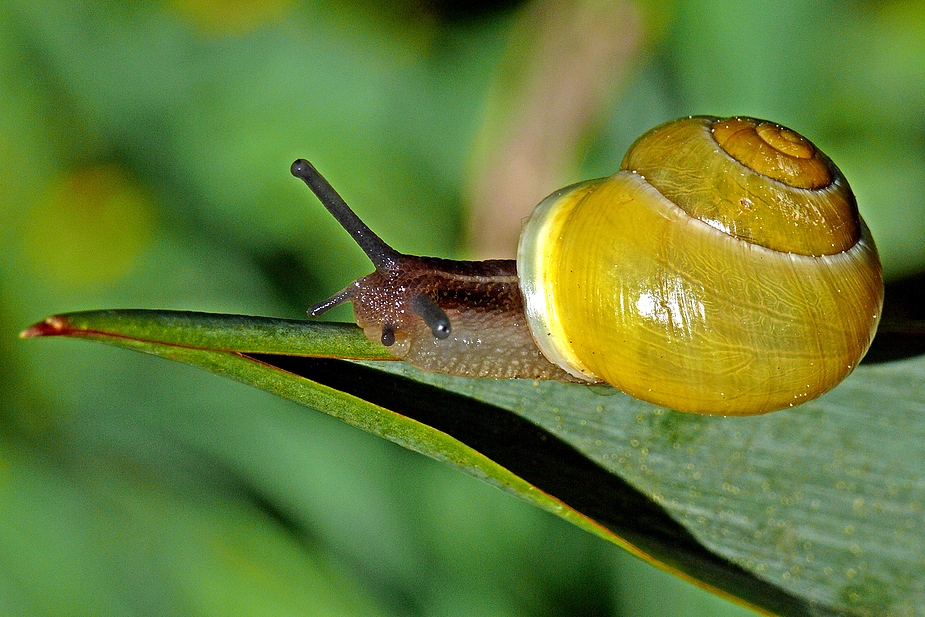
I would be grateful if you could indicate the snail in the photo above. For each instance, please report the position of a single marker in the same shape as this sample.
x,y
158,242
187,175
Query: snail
x,y
723,270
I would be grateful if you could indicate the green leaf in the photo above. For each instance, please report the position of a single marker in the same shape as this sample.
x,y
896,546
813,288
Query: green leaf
x,y
150,330
817,510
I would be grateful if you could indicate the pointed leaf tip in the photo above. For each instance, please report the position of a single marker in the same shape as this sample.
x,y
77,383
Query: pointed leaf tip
x,y
51,326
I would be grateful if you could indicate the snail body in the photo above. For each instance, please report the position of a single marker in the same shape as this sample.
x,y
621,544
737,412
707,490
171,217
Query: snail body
x,y
723,270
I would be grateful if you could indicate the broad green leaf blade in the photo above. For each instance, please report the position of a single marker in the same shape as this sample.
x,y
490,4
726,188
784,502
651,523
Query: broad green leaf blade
x,y
826,500
804,512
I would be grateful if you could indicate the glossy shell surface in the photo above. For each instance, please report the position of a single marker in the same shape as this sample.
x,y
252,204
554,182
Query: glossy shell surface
x,y
704,308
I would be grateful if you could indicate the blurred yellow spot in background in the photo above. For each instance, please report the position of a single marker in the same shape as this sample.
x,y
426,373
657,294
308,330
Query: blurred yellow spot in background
x,y
230,17
88,227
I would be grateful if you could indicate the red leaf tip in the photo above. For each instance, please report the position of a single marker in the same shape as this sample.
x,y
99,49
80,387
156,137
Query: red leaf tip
x,y
52,326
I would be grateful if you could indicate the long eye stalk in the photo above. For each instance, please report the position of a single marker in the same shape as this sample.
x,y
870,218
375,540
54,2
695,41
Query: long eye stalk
x,y
382,255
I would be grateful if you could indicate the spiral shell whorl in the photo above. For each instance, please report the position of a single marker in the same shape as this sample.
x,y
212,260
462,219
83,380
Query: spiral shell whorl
x,y
755,180
774,151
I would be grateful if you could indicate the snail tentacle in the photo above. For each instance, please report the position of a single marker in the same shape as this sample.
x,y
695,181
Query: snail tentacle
x,y
434,316
388,334
320,308
381,254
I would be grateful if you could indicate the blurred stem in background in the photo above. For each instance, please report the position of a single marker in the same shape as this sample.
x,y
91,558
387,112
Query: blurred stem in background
x,y
566,64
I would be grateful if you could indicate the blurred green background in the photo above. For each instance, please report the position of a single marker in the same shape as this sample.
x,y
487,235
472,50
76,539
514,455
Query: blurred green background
x,y
144,156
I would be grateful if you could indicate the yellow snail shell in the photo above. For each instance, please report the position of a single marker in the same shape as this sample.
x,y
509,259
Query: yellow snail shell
x,y
705,281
